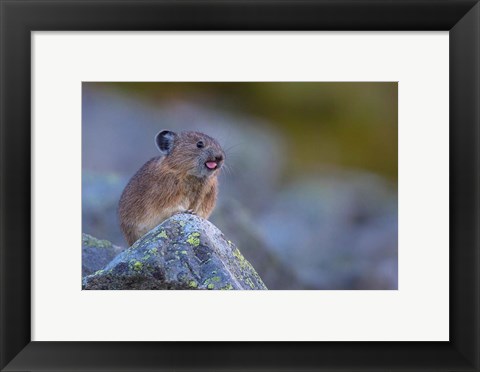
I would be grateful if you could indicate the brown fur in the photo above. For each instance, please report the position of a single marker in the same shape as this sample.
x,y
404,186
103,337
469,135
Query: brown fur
x,y
170,184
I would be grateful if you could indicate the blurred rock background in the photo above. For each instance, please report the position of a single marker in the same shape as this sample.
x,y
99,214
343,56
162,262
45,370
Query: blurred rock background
x,y
310,192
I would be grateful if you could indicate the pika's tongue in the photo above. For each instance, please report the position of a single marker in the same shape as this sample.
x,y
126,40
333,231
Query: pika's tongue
x,y
211,164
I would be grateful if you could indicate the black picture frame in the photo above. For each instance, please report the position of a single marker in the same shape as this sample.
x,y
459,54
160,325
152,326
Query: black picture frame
x,y
19,18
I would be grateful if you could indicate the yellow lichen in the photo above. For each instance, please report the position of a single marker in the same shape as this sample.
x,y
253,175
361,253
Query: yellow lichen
x,y
249,282
192,284
194,239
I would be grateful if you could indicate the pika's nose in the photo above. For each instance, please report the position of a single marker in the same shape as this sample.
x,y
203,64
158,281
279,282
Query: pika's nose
x,y
218,158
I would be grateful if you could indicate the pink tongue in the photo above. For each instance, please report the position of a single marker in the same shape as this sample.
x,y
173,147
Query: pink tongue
x,y
211,164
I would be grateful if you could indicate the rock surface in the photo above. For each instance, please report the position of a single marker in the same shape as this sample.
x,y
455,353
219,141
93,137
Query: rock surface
x,y
96,254
233,218
337,231
100,195
184,252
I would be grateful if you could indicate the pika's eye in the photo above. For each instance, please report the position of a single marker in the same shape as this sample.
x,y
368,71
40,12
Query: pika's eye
x,y
200,144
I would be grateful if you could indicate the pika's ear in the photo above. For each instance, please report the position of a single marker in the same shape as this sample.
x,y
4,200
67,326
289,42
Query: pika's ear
x,y
164,141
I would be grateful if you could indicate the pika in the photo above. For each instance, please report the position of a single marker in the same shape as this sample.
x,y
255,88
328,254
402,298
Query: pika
x,y
182,179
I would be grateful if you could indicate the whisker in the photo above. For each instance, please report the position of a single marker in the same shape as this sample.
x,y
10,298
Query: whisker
x,y
228,168
233,146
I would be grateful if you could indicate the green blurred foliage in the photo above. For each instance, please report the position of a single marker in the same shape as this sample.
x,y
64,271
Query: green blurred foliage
x,y
347,124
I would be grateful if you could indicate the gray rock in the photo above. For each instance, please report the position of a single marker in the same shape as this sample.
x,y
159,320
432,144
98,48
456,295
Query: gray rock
x,y
231,216
96,254
100,195
184,252
336,231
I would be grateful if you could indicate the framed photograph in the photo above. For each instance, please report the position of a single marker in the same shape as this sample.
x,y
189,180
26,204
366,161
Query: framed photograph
x,y
341,211
239,185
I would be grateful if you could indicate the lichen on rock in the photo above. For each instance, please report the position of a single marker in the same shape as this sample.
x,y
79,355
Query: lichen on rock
x,y
96,254
184,252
